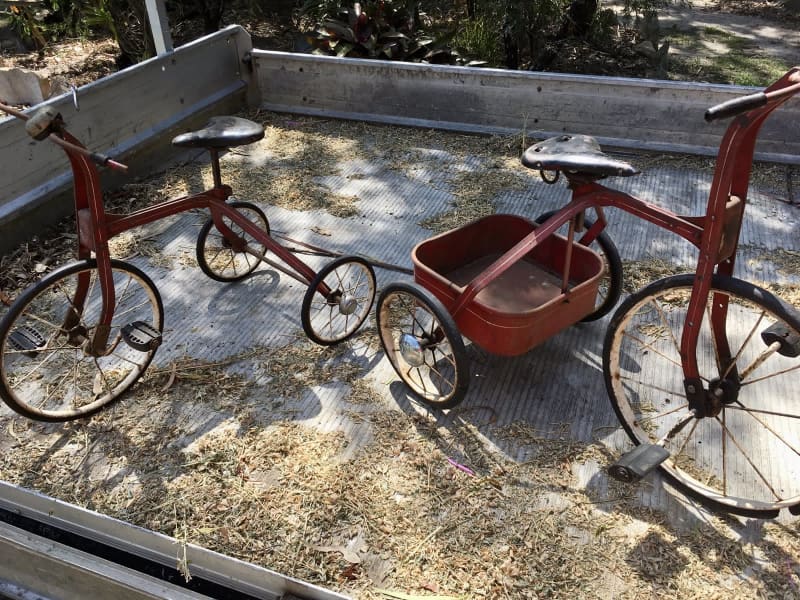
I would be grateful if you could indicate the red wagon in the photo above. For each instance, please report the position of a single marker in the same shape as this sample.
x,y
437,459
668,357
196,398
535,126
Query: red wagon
x,y
502,281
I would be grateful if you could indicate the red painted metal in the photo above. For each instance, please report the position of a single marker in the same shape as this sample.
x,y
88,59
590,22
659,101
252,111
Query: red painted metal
x,y
515,302
95,227
475,270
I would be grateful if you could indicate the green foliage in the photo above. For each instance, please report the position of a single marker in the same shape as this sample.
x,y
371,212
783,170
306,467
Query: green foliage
x,y
604,30
56,19
740,65
478,37
373,29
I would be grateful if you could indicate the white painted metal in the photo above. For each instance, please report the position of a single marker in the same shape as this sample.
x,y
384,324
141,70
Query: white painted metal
x,y
159,26
627,113
218,568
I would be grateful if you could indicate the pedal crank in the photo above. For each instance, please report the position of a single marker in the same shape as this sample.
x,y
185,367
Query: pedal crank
x,y
141,336
638,463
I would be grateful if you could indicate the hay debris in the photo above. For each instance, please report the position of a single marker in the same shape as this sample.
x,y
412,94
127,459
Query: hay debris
x,y
638,274
411,505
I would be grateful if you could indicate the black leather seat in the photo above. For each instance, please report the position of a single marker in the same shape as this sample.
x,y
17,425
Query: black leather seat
x,y
221,132
575,154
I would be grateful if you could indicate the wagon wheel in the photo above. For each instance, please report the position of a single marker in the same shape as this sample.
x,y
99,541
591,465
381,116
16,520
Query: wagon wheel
x,y
423,344
332,317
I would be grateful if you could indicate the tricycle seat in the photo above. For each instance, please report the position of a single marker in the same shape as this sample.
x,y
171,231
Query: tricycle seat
x,y
575,154
221,132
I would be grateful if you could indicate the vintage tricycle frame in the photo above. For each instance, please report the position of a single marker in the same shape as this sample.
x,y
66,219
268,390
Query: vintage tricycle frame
x,y
439,377
338,299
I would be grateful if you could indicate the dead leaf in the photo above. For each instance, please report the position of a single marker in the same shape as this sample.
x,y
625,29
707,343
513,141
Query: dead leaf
x,y
320,231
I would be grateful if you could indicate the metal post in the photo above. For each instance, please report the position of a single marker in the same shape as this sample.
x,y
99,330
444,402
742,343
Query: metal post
x,y
157,15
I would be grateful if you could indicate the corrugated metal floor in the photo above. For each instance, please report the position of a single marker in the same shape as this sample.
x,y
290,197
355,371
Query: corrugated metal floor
x,y
556,388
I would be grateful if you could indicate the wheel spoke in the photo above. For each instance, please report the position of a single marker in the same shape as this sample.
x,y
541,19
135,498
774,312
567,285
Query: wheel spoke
x,y
741,454
736,358
727,432
754,415
57,381
645,346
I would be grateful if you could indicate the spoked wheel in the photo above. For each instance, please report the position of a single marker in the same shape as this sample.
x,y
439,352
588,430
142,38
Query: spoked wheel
x,y
611,282
226,259
423,344
743,456
333,317
48,370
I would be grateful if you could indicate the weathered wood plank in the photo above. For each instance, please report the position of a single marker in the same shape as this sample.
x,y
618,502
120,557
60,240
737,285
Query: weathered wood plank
x,y
633,113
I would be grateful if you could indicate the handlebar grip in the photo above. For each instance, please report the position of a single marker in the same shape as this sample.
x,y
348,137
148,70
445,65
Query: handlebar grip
x,y
731,108
107,161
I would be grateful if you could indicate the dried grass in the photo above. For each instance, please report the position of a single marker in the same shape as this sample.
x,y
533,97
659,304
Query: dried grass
x,y
407,504
787,261
772,176
419,508
638,274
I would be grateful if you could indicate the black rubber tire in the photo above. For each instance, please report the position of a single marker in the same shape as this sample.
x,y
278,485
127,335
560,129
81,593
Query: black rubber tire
x,y
361,290
613,280
443,329
753,430
51,382
237,265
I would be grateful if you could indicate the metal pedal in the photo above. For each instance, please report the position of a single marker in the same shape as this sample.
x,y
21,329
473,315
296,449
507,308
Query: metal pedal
x,y
787,338
27,340
638,463
141,336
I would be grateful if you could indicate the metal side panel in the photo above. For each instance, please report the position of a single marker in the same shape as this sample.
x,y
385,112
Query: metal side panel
x,y
48,569
211,566
637,113
130,115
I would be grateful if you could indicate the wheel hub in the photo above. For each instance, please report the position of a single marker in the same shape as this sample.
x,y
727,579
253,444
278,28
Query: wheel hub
x,y
411,349
720,393
347,304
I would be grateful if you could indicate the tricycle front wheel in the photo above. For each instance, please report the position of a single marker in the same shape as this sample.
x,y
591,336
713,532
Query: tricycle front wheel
x,y
741,452
48,368
423,344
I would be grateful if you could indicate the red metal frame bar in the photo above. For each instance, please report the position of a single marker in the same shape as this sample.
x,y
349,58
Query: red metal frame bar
x,y
96,228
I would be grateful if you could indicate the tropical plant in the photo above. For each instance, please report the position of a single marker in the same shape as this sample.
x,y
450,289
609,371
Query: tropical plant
x,y
374,29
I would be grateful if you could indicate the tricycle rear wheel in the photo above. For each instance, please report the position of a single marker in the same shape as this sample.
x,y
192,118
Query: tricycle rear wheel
x,y
226,260
610,287
335,315
423,343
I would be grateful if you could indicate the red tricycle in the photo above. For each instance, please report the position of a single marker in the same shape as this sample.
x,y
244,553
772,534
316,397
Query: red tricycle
x,y
701,368
80,337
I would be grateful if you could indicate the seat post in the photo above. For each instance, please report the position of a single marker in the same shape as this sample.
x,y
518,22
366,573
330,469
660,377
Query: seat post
x,y
215,167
